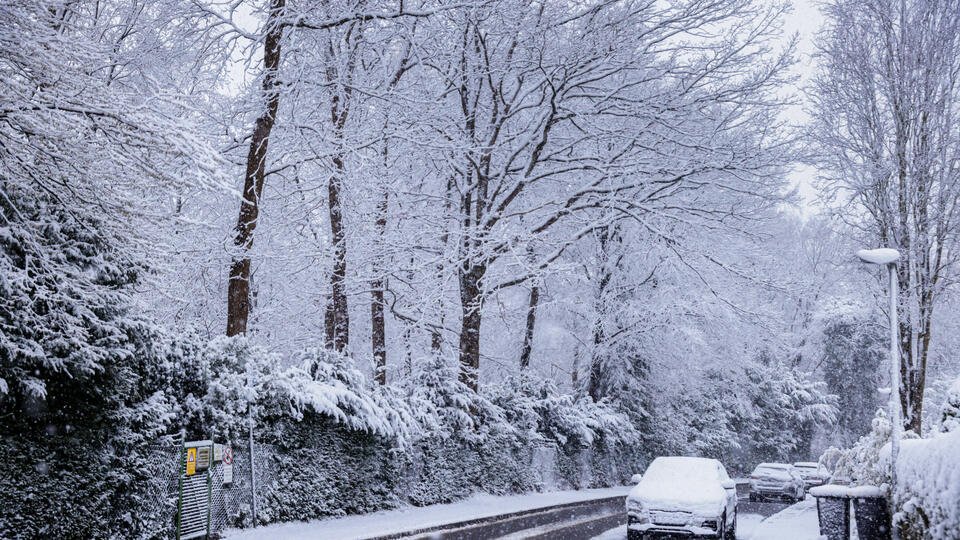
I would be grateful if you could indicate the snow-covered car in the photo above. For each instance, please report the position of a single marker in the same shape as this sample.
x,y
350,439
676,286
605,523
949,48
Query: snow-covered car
x,y
776,480
683,496
813,473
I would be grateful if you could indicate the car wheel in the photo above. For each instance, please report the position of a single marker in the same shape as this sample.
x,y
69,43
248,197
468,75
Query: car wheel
x,y
634,535
724,532
732,531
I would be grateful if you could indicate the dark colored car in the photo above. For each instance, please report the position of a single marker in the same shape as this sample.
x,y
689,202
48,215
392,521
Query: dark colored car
x,y
776,481
813,473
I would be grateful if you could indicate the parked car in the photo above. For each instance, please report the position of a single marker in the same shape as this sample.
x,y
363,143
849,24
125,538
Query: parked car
x,y
683,496
776,480
813,473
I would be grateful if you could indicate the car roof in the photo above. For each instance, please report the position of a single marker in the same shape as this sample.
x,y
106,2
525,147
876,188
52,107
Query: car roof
x,y
774,466
685,464
685,460
806,464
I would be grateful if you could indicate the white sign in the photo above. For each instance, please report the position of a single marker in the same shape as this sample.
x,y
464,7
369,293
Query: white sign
x,y
227,465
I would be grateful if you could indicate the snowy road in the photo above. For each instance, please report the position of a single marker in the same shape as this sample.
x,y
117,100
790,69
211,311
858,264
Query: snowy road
x,y
760,521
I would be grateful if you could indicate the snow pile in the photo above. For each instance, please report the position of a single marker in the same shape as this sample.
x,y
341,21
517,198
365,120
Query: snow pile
x,y
798,522
928,486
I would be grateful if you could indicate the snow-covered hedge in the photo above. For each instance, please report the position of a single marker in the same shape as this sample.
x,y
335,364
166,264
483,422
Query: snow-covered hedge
x,y
928,474
928,487
330,442
928,478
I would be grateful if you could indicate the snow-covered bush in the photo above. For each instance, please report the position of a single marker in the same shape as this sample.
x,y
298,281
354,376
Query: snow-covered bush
x,y
466,442
852,349
784,407
338,472
928,486
598,443
759,412
950,419
861,463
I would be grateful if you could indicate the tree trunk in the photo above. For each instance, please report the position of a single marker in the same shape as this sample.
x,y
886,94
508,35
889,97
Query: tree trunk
x,y
914,346
238,287
378,331
595,380
471,303
378,337
531,325
338,324
436,337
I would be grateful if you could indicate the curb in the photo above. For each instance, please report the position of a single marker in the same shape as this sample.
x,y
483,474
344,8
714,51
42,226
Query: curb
x,y
500,517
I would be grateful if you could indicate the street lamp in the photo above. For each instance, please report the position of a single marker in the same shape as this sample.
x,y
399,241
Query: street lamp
x,y
889,257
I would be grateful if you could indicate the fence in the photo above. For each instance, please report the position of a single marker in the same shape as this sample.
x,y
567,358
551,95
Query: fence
x,y
341,478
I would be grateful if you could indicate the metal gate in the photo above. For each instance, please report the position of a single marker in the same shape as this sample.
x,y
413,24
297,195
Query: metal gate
x,y
204,466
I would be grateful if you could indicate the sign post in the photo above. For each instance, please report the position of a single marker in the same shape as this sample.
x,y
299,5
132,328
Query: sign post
x,y
227,465
191,461
194,505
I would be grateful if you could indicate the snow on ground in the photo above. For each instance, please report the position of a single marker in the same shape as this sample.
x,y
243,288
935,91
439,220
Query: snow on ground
x,y
412,518
797,522
746,523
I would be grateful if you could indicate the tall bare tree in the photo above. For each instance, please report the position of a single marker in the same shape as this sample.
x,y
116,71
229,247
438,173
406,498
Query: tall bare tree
x,y
552,112
279,17
886,104
238,288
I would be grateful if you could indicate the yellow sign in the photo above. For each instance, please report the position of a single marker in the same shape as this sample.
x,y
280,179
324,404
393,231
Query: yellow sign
x,y
191,461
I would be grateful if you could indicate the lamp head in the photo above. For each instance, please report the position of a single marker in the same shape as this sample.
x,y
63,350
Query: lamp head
x,y
879,256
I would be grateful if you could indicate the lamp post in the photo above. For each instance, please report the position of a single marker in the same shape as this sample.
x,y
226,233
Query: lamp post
x,y
889,257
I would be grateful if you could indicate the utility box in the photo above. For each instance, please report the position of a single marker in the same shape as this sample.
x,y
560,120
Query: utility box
x,y
202,480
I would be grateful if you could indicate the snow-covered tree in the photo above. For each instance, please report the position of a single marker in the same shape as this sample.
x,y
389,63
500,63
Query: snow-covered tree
x,y
884,106
854,350
950,420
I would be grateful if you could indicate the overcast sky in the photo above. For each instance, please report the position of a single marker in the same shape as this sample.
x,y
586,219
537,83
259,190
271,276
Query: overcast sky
x,y
805,21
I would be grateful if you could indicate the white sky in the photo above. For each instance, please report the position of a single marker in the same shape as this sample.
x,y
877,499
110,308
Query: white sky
x,y
805,20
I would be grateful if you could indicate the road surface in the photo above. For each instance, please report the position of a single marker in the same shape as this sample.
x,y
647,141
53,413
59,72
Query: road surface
x,y
606,521
749,515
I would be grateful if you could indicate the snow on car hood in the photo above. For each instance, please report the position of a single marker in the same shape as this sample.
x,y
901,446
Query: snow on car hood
x,y
687,487
704,500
